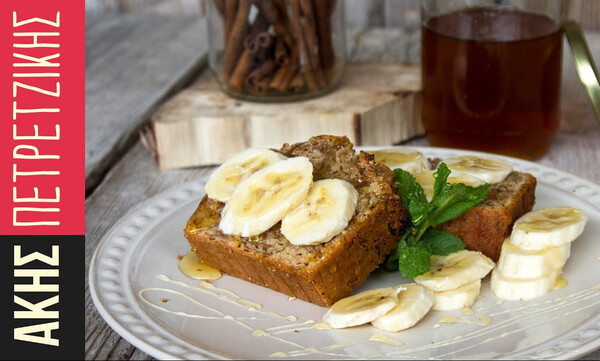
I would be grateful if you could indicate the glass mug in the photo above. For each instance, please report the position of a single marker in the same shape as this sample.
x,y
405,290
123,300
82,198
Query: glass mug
x,y
491,74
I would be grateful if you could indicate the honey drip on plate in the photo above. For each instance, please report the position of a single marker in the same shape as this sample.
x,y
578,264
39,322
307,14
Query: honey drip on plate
x,y
260,333
321,326
192,267
385,339
560,283
481,319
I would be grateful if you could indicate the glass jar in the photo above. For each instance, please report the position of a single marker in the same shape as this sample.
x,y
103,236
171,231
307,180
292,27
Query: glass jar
x,y
276,50
491,74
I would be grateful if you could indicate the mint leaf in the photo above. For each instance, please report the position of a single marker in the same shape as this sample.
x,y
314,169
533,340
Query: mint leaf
x,y
411,255
413,196
455,200
442,242
413,260
441,180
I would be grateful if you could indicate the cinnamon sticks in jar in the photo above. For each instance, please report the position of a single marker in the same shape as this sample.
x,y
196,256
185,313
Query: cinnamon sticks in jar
x,y
278,48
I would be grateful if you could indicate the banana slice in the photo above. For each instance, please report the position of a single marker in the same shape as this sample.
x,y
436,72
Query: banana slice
x,y
487,169
454,270
409,159
522,289
413,304
238,167
548,227
325,212
458,298
427,182
516,262
264,198
362,308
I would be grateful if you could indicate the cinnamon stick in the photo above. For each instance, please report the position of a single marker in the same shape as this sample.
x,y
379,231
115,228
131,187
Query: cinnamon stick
x,y
239,30
283,77
323,10
230,8
280,52
302,23
264,40
265,70
243,67
220,6
278,20
259,88
297,85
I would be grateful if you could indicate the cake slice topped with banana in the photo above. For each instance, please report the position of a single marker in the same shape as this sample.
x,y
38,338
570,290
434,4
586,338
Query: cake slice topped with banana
x,y
310,220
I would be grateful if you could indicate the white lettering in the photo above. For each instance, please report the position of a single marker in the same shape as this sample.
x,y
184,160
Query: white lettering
x,y
35,43
36,62
35,310
36,134
17,110
35,256
36,153
17,23
16,211
17,85
25,333
17,173
36,277
36,197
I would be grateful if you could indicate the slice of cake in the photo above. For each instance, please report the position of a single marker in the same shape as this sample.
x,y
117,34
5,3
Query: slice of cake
x,y
321,273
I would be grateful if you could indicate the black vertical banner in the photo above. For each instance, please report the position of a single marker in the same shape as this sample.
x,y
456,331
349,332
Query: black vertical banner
x,y
44,285
42,181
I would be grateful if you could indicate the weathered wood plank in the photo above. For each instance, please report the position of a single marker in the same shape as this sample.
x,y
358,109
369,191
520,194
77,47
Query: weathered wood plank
x,y
133,63
375,104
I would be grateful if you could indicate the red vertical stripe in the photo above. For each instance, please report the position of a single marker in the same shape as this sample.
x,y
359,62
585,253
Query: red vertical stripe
x,y
45,84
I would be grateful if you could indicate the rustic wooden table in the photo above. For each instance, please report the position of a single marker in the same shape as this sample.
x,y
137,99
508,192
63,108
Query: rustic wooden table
x,y
133,65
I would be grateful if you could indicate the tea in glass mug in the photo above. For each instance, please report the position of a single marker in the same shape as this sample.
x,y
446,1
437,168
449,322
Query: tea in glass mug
x,y
491,74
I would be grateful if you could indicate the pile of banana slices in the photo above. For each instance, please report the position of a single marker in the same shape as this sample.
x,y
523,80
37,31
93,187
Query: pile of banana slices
x,y
453,282
261,187
532,258
530,263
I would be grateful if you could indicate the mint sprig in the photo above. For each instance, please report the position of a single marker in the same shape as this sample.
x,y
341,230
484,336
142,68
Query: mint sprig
x,y
411,255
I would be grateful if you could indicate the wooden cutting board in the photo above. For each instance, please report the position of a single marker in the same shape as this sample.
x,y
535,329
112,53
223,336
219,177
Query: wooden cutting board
x,y
375,104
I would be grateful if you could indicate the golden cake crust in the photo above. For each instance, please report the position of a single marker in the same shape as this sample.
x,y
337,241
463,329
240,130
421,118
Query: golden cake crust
x,y
321,274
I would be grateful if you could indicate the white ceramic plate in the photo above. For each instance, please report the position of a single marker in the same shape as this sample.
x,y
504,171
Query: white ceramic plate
x,y
138,289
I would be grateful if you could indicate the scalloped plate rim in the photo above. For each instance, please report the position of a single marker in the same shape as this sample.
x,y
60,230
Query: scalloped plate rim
x,y
125,330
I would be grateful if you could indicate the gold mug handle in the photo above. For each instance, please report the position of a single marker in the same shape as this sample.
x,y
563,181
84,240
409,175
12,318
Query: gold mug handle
x,y
584,63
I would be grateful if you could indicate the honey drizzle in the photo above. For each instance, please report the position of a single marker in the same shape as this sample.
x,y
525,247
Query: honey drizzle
x,y
384,339
227,296
546,307
194,268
